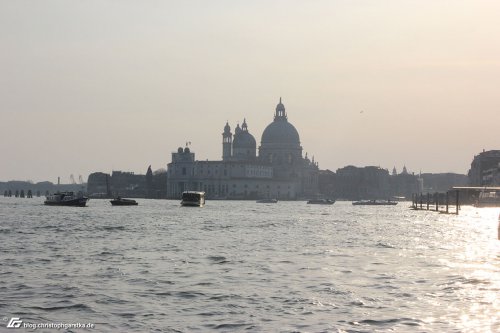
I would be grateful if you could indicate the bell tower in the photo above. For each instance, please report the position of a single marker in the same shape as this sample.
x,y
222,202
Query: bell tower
x,y
227,143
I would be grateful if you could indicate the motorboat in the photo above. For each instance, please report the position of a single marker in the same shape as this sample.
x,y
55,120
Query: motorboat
x,y
488,199
374,203
268,201
321,201
193,198
123,202
66,199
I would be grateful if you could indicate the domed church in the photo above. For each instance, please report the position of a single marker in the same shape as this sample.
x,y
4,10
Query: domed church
x,y
279,171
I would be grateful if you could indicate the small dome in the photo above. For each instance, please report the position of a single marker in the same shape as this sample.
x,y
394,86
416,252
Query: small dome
x,y
179,150
227,128
243,139
187,150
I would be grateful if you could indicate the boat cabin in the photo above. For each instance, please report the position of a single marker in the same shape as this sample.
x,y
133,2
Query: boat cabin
x,y
193,198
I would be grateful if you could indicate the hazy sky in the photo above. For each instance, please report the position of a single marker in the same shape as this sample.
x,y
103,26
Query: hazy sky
x,y
117,85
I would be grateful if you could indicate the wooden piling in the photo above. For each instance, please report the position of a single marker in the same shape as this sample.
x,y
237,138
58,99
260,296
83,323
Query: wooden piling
x,y
447,201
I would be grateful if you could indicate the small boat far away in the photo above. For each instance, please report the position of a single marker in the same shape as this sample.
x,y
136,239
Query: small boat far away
x,y
375,203
66,199
123,202
267,201
321,201
193,199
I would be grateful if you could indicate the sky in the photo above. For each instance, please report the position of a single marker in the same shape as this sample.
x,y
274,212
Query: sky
x,y
99,85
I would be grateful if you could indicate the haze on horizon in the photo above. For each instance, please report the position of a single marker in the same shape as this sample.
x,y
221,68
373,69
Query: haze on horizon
x,y
118,85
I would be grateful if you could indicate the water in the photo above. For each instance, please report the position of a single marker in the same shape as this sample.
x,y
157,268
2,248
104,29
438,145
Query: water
x,y
243,266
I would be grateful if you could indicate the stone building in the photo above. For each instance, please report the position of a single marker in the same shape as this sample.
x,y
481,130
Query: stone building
x,y
372,182
484,169
278,170
127,184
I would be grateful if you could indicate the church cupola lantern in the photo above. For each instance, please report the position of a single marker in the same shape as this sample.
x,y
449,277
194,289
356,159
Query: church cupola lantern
x,y
280,112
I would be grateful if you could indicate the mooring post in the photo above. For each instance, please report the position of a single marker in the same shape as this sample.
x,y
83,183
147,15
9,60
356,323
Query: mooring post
x,y
428,198
447,201
421,200
457,201
436,200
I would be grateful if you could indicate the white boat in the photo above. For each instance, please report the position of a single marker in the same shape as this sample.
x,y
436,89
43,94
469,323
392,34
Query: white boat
x,y
488,199
193,199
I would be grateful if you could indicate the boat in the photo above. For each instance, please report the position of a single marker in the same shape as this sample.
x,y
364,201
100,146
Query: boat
x,y
193,199
321,201
488,199
66,199
123,202
374,203
268,201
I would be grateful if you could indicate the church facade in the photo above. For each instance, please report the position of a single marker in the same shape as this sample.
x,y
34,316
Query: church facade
x,y
278,170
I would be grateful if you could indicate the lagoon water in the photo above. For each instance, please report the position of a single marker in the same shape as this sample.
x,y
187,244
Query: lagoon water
x,y
242,266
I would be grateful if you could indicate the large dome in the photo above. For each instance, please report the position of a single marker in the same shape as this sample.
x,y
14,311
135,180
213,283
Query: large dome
x,y
280,131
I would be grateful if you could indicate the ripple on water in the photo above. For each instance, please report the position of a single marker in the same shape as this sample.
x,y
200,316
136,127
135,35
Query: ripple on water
x,y
390,323
78,306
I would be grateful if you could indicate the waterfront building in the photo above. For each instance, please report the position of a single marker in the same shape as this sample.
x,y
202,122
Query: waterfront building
x,y
128,184
484,169
278,170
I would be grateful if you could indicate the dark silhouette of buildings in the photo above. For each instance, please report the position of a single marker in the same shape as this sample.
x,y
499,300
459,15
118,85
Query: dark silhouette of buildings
x,y
15,186
128,184
371,182
485,169
357,183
